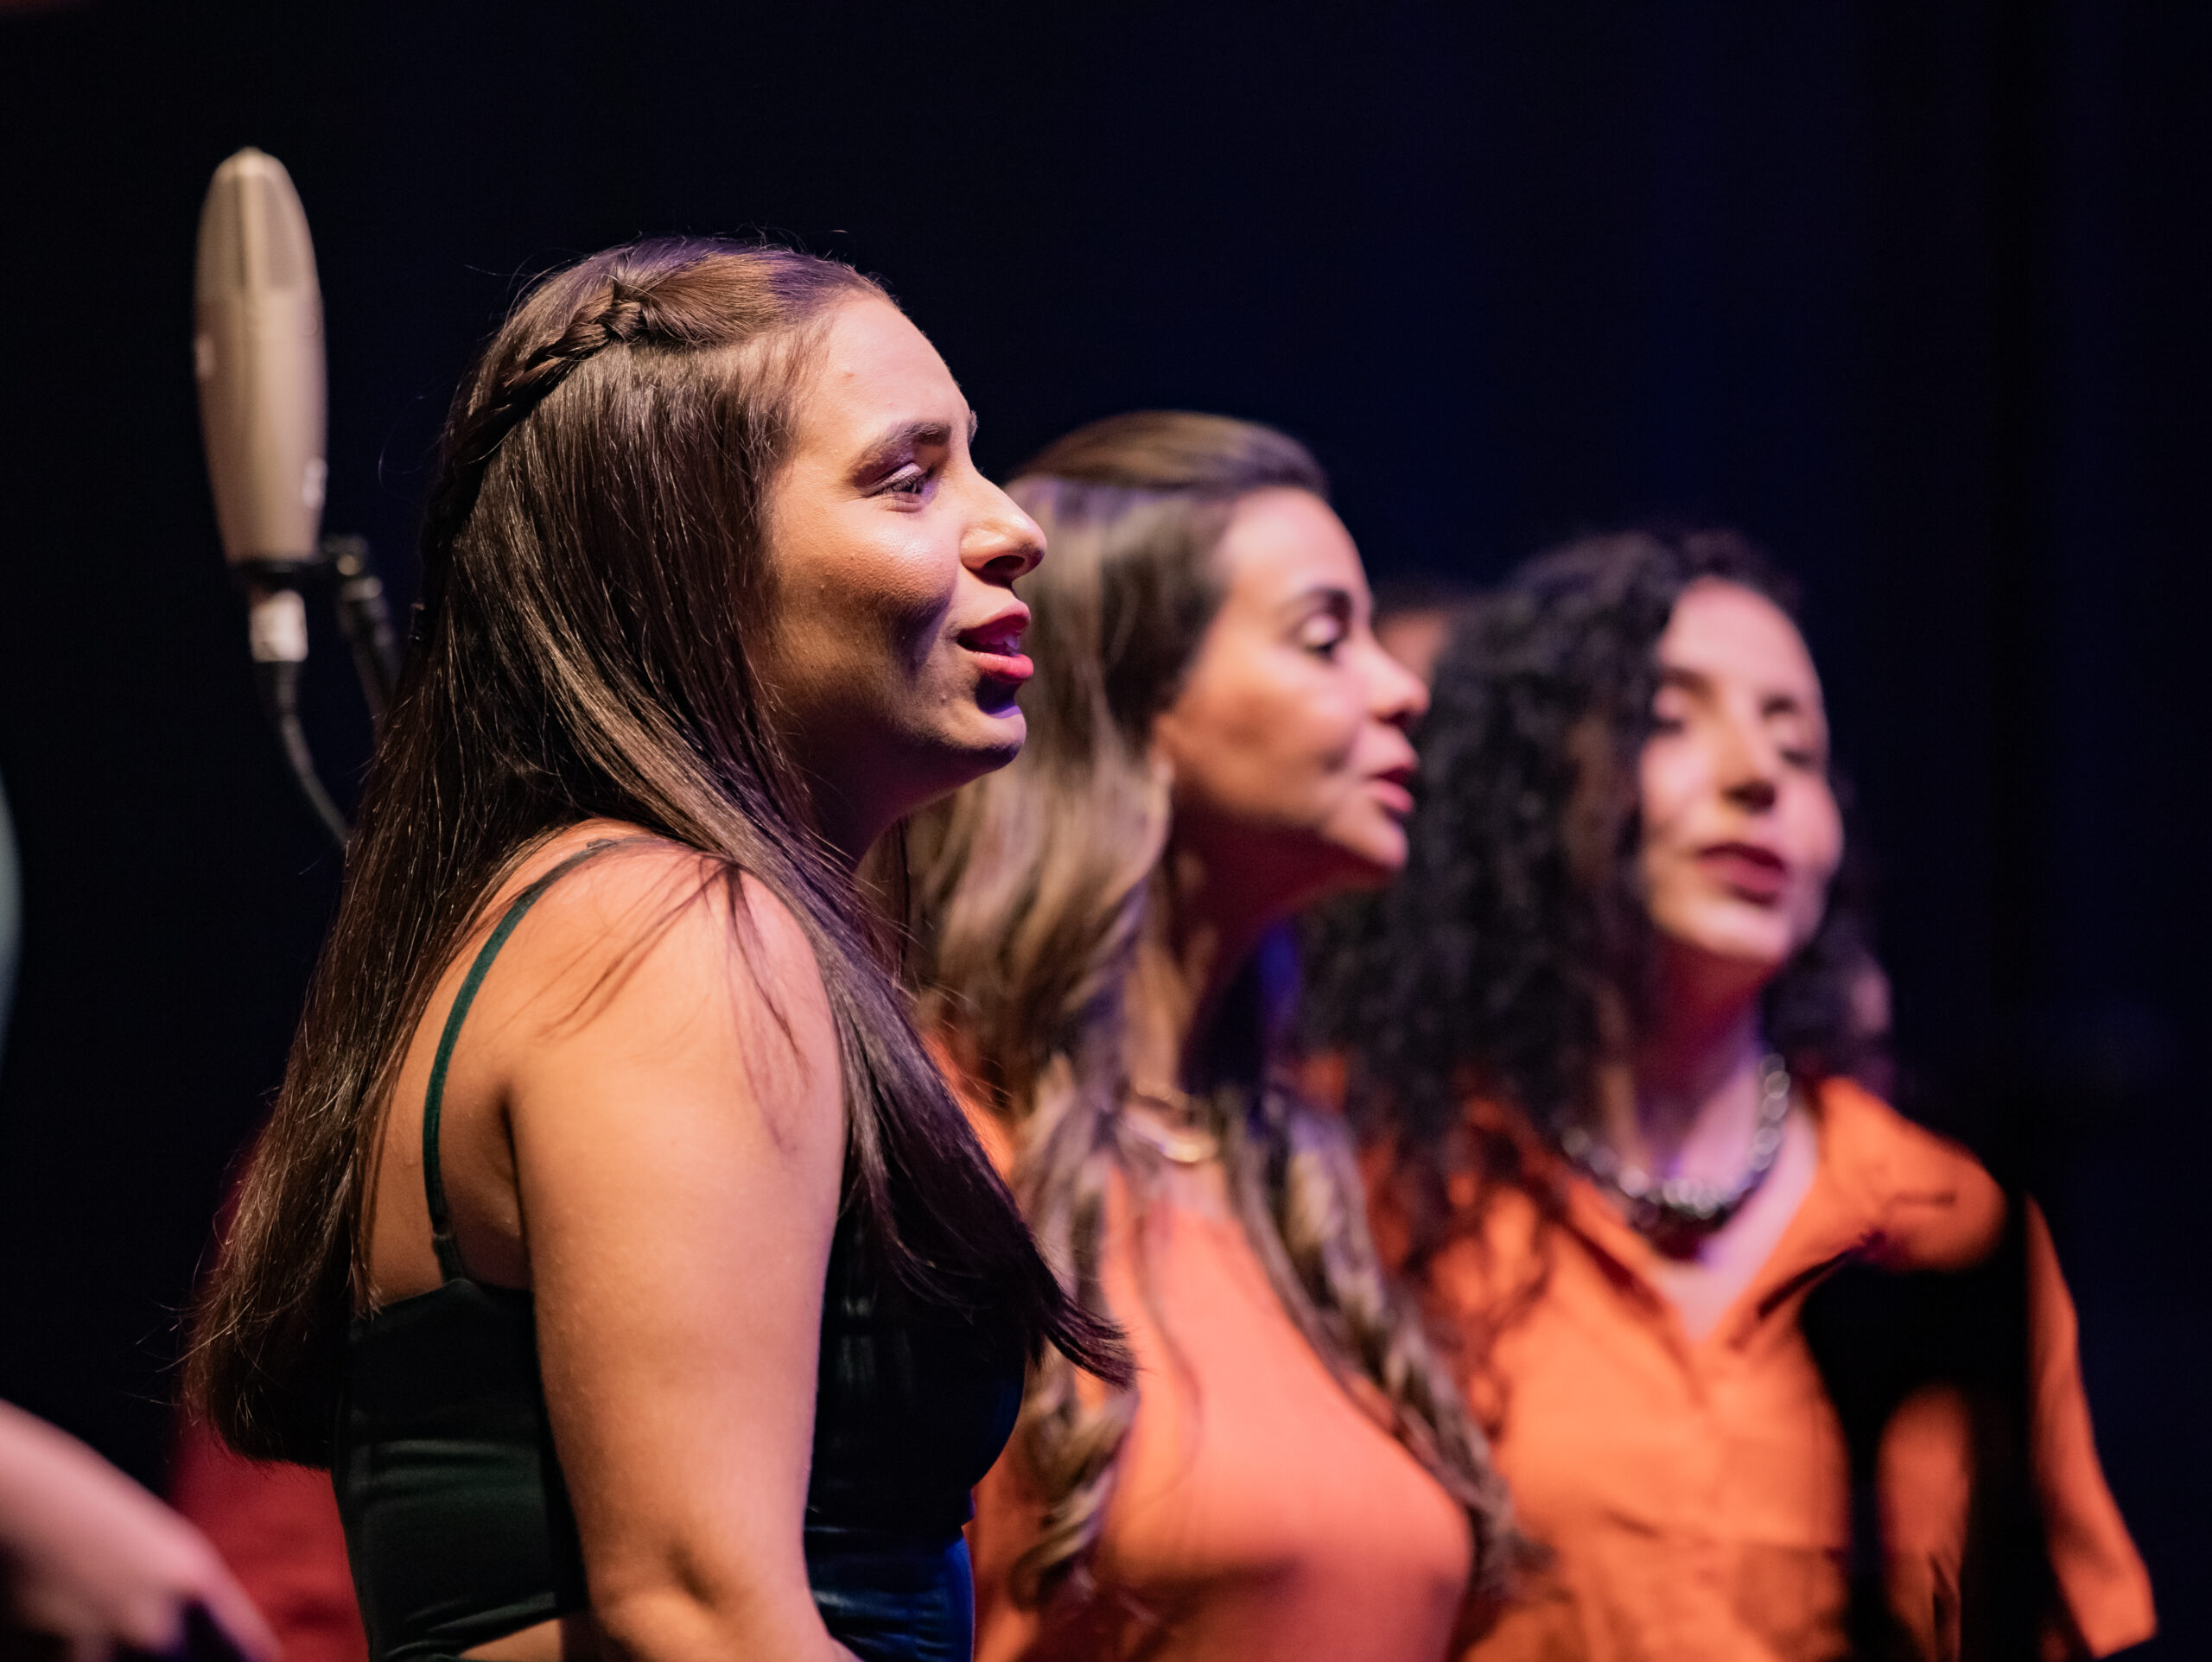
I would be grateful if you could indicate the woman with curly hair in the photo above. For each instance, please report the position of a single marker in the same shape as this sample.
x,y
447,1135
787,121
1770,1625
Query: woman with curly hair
x,y
1216,741
1601,1039
614,1239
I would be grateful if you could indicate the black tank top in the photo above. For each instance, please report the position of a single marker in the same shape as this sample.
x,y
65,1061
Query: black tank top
x,y
458,1523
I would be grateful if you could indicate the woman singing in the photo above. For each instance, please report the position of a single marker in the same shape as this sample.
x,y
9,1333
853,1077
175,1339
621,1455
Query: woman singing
x,y
614,1240
1216,741
1600,1044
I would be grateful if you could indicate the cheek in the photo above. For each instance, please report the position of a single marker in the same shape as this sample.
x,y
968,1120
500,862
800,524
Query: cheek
x,y
883,601
1261,747
1815,848
1301,742
915,582
1668,780
1330,722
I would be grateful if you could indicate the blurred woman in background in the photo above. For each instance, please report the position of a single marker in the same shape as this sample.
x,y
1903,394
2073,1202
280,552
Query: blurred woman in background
x,y
1216,741
614,1239
1602,1045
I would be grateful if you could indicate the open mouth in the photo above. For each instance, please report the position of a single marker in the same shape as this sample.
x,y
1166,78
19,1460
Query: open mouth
x,y
997,647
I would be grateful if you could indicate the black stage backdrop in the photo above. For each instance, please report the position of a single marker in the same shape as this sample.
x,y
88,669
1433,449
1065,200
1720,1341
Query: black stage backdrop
x,y
1913,292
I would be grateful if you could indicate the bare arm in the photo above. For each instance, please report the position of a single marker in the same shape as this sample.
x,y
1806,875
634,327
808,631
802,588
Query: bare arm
x,y
678,1153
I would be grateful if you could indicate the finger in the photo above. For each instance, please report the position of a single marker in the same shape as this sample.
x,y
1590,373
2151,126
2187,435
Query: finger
x,y
150,1618
240,1620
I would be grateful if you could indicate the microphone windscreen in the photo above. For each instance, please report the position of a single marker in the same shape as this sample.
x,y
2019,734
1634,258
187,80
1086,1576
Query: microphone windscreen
x,y
258,353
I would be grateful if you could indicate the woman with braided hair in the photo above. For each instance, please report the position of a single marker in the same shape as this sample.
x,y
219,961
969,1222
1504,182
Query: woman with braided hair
x,y
1602,1043
614,1240
1216,741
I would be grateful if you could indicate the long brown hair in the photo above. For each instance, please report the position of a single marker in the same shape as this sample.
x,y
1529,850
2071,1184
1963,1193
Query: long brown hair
x,y
595,562
1031,889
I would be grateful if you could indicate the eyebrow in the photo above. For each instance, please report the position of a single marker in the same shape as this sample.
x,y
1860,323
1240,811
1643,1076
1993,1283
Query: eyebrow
x,y
1697,681
1335,596
899,443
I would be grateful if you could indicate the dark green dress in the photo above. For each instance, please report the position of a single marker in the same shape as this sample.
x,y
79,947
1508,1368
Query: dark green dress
x,y
457,1521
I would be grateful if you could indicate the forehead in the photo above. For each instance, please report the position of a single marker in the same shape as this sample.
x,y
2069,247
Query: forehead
x,y
1280,542
874,366
1723,630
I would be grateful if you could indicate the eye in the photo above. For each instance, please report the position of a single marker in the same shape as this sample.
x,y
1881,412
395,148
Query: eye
x,y
1322,633
1805,760
913,481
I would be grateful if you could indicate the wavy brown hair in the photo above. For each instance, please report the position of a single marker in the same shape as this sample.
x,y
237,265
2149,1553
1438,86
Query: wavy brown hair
x,y
594,562
1032,889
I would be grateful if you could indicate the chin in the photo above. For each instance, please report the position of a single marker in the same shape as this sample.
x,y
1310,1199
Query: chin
x,y
1364,865
1374,867
1377,850
1762,943
1754,951
991,742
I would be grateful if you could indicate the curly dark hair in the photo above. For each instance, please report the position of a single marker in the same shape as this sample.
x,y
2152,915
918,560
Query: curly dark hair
x,y
1487,970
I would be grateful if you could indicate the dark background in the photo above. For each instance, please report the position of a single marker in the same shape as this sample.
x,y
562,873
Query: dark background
x,y
1915,293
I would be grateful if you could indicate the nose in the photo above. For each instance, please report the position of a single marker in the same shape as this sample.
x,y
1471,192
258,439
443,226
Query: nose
x,y
1395,694
1001,543
1748,763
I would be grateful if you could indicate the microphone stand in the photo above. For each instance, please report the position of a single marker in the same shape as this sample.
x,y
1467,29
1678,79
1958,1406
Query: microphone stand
x,y
277,631
365,618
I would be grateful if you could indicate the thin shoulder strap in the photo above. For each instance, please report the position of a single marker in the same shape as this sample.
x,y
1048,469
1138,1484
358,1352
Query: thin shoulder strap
x,y
434,1181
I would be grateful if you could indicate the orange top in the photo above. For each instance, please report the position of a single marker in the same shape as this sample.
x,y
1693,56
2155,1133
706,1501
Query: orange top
x,y
1695,1495
1258,1510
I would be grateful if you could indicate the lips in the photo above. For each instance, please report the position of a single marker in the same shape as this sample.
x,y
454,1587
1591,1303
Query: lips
x,y
996,644
1394,789
1749,871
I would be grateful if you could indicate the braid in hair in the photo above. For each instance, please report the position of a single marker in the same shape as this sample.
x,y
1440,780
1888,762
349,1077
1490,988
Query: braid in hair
x,y
505,392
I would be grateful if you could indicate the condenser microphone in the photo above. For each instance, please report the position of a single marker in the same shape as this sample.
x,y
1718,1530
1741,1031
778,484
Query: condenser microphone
x,y
257,353
256,347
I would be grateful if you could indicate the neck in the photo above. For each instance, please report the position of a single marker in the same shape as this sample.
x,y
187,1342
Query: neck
x,y
847,837
1689,1095
847,824
1203,928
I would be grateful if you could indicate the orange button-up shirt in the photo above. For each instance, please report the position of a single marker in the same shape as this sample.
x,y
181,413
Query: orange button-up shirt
x,y
1695,1494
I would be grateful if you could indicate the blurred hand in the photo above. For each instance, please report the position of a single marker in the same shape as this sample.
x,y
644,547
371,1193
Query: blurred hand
x,y
92,1559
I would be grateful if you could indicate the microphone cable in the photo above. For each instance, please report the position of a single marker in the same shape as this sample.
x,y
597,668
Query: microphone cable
x,y
277,631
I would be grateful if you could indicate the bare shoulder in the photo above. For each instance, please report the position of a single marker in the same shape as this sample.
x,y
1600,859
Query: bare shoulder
x,y
647,984
655,950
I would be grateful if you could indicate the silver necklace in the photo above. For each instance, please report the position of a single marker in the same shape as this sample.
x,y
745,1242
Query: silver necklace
x,y
1676,1214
